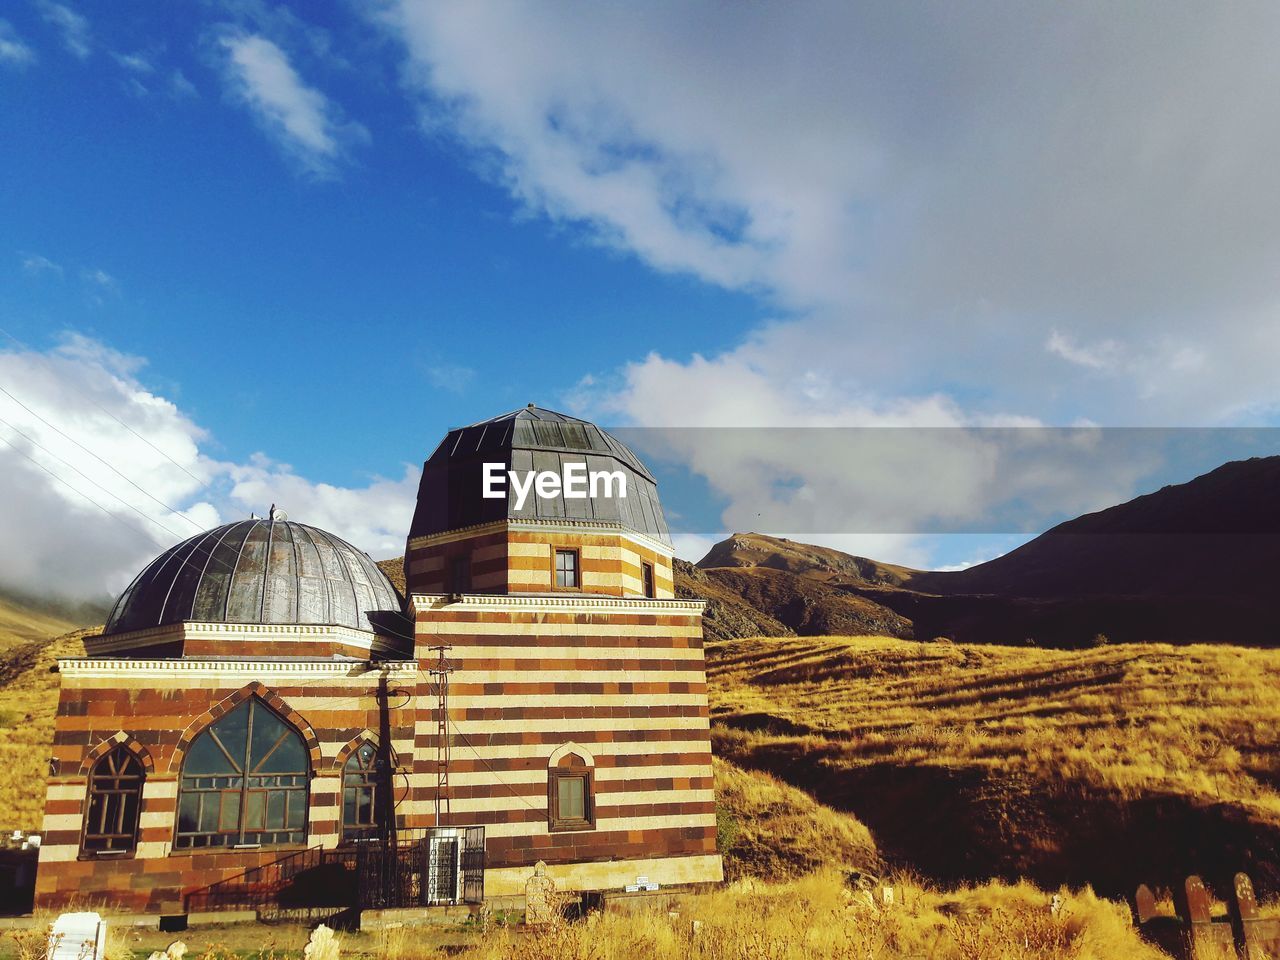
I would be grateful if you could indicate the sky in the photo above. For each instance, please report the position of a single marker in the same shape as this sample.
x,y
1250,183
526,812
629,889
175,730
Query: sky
x,y
256,253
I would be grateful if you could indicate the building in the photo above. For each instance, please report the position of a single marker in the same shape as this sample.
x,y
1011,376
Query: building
x,y
263,708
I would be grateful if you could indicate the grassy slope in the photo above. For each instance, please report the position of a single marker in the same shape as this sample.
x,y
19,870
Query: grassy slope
x,y
28,700
1108,765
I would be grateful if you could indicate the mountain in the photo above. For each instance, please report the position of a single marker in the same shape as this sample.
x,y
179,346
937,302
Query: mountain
x,y
23,620
1193,562
1218,534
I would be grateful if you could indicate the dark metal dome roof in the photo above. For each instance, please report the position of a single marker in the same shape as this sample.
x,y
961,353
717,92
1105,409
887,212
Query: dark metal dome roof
x,y
256,571
531,438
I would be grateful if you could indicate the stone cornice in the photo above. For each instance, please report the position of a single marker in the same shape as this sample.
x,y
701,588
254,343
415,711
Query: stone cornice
x,y
104,667
269,632
576,603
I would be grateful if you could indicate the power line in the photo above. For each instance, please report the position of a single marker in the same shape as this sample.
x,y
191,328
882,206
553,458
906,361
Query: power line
x,y
203,483
67,463
81,493
99,459
198,548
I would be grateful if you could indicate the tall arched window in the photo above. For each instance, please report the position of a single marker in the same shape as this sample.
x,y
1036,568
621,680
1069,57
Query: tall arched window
x,y
360,800
244,782
115,797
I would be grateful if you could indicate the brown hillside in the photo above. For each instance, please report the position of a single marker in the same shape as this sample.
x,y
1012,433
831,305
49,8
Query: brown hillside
x,y
809,607
1111,766
28,701
394,569
818,563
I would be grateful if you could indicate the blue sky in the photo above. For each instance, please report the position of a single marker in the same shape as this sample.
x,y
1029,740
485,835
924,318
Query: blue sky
x,y
292,245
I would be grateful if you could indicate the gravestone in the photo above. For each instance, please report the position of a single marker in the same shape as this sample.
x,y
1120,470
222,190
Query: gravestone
x,y
1259,936
1145,903
539,897
1203,935
77,936
323,945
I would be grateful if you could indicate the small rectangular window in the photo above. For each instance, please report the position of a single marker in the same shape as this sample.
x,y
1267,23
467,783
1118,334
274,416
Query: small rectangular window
x,y
460,573
572,796
647,570
567,569
570,799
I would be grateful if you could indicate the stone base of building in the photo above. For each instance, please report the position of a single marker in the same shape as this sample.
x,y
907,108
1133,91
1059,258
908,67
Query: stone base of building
x,y
612,875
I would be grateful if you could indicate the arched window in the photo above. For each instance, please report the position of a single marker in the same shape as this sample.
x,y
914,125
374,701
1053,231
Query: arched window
x,y
115,797
244,782
360,801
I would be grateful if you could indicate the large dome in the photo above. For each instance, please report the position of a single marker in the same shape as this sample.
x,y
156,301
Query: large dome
x,y
256,571
449,497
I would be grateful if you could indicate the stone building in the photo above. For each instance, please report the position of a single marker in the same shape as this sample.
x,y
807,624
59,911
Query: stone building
x,y
264,707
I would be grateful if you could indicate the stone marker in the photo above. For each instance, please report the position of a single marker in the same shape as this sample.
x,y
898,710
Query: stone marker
x,y
323,945
539,897
1055,905
1198,909
1246,900
174,951
77,936
1145,901
695,929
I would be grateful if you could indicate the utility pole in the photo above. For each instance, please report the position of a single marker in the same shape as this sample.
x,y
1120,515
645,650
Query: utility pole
x,y
385,812
440,673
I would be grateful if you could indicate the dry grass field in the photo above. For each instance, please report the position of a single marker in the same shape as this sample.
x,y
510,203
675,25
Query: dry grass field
x,y
28,701
810,918
974,761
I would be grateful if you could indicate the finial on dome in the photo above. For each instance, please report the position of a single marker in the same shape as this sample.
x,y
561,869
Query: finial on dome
x,y
277,515
530,406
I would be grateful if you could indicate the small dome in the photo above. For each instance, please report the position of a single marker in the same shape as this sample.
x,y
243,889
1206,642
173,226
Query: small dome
x,y
531,438
256,571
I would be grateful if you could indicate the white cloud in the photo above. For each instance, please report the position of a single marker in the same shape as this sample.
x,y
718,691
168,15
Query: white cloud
x,y
1101,356
926,192
134,62
13,50
99,278
375,517
78,411
306,124
36,264
73,27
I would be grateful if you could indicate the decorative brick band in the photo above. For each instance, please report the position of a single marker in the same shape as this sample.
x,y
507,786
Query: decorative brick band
x,y
572,603
559,525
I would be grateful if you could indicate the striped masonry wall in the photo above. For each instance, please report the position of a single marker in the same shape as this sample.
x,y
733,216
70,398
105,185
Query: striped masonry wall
x,y
157,707
517,557
619,682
